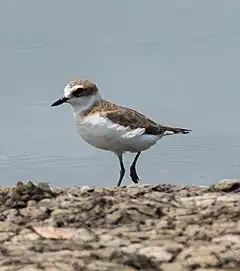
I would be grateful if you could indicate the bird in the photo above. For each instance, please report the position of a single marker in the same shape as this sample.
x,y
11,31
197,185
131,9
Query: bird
x,y
112,127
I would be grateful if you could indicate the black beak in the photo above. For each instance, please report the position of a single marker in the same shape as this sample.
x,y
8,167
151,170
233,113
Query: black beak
x,y
60,101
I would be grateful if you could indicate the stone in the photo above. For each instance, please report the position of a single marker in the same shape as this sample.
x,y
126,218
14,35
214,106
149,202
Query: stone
x,y
140,227
54,233
172,267
228,185
157,254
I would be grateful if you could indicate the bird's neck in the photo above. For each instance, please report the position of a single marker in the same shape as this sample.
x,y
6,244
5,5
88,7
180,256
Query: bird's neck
x,y
85,104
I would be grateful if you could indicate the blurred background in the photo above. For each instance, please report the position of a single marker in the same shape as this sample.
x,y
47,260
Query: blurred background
x,y
176,61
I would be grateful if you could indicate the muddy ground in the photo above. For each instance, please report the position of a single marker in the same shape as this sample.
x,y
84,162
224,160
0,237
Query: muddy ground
x,y
141,227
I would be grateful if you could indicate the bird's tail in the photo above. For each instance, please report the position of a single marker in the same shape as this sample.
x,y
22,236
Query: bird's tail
x,y
175,130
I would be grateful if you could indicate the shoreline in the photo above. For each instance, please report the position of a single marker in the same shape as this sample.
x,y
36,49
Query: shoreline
x,y
137,227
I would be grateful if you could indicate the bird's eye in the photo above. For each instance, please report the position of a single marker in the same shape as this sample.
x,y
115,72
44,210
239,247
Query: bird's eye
x,y
78,92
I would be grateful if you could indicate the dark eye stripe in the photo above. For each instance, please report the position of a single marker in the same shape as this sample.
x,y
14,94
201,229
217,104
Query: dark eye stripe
x,y
78,92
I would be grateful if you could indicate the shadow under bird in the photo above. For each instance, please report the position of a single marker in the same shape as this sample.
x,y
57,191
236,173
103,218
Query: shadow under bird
x,y
112,127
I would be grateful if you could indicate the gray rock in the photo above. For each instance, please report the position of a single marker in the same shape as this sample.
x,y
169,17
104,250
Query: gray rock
x,y
140,227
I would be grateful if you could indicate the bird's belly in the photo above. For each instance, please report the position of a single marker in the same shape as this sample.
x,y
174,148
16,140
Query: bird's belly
x,y
94,138
113,139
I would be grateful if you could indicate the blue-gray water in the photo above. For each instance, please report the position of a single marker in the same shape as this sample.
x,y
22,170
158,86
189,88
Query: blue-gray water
x,y
176,61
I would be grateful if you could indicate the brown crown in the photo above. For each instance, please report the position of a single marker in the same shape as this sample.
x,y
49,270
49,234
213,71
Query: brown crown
x,y
89,87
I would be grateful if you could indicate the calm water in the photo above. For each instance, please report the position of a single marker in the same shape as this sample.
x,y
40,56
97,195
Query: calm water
x,y
177,62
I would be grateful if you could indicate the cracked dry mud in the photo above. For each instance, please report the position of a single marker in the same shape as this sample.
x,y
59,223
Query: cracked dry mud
x,y
141,227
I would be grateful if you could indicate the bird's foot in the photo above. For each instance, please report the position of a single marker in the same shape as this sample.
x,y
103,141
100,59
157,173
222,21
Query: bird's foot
x,y
134,176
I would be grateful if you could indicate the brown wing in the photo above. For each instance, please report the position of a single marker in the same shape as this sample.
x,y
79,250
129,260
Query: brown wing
x,y
129,117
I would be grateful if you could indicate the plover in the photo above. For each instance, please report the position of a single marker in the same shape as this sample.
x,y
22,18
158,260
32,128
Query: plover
x,y
112,127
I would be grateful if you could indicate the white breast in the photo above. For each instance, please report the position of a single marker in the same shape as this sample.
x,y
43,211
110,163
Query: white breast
x,y
104,134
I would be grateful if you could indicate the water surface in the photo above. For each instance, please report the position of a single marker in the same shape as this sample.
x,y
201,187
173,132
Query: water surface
x,y
177,62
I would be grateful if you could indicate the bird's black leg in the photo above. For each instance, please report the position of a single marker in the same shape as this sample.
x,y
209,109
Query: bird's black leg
x,y
122,169
133,172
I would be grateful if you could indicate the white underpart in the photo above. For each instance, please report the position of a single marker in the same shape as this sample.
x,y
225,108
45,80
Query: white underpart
x,y
102,133
83,103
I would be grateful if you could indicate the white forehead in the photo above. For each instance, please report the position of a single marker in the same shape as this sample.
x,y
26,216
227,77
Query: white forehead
x,y
68,90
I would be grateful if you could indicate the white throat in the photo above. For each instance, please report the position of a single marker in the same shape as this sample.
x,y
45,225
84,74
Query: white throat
x,y
80,105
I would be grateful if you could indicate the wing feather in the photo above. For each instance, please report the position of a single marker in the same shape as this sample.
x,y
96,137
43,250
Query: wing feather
x,y
136,121
130,118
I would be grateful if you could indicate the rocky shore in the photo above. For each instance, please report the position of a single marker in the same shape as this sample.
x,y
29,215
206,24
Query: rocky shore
x,y
140,227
